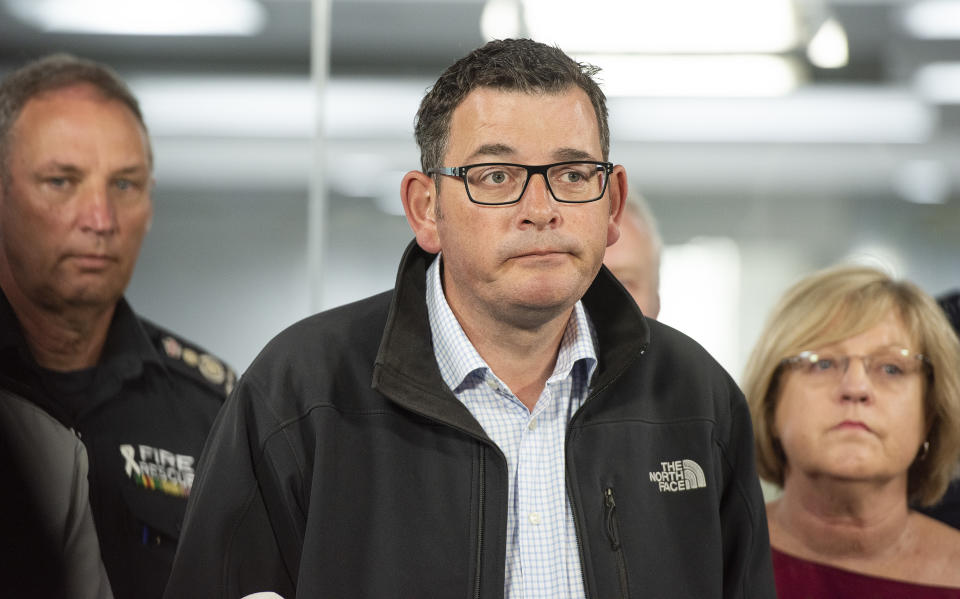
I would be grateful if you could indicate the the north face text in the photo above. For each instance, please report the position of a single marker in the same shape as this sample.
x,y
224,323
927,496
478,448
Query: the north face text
x,y
678,475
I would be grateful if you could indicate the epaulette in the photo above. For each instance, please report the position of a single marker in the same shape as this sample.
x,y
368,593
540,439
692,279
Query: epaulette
x,y
193,360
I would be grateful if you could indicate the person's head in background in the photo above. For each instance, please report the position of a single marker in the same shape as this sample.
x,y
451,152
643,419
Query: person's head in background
x,y
635,258
75,182
950,302
828,313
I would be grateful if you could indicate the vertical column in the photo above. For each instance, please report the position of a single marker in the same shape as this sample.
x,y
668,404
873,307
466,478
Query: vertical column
x,y
317,207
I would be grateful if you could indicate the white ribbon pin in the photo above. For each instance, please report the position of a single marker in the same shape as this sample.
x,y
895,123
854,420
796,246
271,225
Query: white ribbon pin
x,y
128,454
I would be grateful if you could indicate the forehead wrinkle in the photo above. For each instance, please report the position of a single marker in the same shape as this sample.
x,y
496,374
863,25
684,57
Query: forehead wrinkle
x,y
66,167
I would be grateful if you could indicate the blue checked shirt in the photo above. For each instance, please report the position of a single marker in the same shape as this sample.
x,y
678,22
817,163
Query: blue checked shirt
x,y
542,556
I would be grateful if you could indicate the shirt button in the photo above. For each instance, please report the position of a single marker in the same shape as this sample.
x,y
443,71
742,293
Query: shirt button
x,y
493,384
532,425
534,518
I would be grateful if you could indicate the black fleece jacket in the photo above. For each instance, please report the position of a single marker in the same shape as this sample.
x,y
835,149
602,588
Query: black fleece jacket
x,y
342,466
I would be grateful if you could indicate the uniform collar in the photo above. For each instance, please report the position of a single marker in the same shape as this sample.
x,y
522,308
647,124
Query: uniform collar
x,y
128,346
125,350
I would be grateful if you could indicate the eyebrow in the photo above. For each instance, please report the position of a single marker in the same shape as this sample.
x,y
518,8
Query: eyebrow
x,y
136,169
571,154
70,169
502,150
498,150
60,167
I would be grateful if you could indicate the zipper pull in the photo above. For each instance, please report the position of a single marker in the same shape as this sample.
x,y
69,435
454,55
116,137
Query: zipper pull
x,y
612,532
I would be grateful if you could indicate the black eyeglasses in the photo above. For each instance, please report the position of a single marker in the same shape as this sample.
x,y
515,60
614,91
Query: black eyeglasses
x,y
500,183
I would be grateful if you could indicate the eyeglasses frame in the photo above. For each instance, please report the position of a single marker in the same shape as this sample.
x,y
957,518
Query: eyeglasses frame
x,y
461,173
811,356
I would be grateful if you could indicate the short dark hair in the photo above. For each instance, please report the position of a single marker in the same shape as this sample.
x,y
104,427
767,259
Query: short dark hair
x,y
511,64
54,72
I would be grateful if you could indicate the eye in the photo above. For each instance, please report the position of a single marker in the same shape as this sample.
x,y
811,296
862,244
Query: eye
x,y
496,177
823,364
891,369
57,182
890,366
573,174
492,177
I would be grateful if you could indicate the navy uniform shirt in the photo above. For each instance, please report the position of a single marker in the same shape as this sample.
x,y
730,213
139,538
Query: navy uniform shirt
x,y
143,413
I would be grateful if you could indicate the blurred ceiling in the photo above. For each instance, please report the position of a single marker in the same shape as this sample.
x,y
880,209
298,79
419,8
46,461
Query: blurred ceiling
x,y
886,124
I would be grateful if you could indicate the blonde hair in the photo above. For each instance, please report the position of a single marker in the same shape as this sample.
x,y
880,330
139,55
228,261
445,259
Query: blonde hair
x,y
840,302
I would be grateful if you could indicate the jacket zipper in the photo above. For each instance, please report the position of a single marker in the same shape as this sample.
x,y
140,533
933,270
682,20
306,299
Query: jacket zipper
x,y
613,533
481,500
607,492
583,565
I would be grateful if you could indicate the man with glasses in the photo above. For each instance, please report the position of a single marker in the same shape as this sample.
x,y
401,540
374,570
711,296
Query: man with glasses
x,y
504,422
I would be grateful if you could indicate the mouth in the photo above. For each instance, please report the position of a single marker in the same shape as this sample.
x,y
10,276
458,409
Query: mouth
x,y
540,257
852,425
92,261
539,253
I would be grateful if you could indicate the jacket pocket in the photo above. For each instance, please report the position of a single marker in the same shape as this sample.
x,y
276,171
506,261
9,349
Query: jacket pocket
x,y
613,534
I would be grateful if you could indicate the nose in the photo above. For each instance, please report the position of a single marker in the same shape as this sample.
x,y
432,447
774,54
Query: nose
x,y
538,208
855,383
97,213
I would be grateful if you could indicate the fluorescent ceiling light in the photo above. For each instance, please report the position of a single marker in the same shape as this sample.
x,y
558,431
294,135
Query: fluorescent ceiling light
x,y
143,17
695,76
821,115
286,108
933,19
939,82
828,49
664,26
275,106
227,106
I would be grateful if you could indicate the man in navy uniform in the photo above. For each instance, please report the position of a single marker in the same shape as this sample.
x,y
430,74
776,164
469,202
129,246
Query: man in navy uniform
x,y
75,204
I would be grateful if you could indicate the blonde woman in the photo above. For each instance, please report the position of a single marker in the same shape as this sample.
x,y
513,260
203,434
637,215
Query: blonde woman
x,y
854,391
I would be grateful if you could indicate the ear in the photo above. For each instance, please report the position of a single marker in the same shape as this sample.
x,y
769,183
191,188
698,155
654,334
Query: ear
x,y
617,191
419,196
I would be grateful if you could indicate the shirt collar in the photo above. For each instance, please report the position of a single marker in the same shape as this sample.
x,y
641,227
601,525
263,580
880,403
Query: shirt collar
x,y
457,359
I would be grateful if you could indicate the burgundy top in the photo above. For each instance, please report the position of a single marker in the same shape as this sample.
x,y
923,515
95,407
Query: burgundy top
x,y
800,579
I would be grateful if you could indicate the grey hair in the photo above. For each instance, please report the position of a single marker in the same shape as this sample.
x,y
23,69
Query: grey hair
x,y
51,73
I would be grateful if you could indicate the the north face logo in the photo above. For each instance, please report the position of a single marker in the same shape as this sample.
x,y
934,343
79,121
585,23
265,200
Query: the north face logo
x,y
678,475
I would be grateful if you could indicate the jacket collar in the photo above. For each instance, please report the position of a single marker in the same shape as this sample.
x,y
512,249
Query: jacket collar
x,y
406,370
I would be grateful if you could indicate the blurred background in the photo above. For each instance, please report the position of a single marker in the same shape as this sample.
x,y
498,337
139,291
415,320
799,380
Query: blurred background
x,y
771,138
